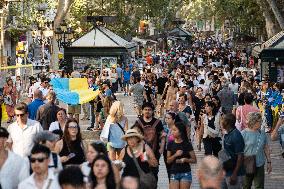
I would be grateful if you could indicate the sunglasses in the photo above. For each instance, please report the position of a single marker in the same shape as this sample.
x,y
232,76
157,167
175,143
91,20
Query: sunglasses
x,y
73,126
40,160
20,115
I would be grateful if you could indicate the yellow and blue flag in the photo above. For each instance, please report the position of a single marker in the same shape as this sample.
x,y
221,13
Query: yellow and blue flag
x,y
73,91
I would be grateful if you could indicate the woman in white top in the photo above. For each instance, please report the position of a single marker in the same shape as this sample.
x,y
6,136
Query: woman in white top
x,y
59,125
113,79
210,127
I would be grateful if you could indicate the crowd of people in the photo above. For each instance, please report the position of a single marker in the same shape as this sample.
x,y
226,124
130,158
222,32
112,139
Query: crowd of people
x,y
208,97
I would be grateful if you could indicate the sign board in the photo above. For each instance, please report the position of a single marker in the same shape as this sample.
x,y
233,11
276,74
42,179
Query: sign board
x,y
79,62
109,61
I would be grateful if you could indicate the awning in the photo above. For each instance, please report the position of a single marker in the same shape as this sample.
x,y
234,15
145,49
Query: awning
x,y
102,37
143,41
277,41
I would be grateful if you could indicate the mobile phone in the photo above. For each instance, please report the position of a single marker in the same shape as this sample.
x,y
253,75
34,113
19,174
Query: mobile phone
x,y
71,155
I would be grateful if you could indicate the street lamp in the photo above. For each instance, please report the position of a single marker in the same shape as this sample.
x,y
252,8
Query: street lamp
x,y
42,30
64,35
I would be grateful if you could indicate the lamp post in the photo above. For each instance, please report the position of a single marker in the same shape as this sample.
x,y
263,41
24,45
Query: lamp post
x,y
42,31
64,35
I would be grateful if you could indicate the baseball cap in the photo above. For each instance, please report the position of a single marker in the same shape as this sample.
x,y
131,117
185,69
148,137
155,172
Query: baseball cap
x,y
3,132
45,136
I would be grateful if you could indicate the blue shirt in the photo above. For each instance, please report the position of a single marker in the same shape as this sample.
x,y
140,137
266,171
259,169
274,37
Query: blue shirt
x,y
115,134
108,92
33,107
234,145
281,135
254,145
130,66
119,72
94,87
126,75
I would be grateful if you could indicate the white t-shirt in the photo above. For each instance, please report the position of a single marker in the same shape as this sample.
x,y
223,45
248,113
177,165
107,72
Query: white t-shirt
x,y
44,91
54,126
22,139
51,182
13,171
200,62
204,87
85,168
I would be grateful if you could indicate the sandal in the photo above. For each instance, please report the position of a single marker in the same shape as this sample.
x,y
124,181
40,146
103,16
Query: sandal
x,y
96,129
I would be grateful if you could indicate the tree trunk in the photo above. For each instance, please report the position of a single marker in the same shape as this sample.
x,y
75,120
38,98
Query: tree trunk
x,y
276,13
270,26
62,9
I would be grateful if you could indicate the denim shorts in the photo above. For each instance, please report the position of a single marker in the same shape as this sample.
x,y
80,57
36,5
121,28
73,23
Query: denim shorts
x,y
181,177
126,83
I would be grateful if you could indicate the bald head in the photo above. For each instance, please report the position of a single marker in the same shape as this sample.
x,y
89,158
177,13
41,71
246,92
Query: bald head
x,y
174,106
210,172
38,94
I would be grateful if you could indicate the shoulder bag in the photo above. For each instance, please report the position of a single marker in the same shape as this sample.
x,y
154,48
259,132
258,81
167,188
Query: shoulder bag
x,y
250,161
146,180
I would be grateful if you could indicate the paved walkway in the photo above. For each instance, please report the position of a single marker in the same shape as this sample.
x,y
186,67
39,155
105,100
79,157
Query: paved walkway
x,y
273,181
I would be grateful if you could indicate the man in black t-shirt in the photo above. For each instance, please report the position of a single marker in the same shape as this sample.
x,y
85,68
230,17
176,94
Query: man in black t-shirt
x,y
135,74
160,86
153,132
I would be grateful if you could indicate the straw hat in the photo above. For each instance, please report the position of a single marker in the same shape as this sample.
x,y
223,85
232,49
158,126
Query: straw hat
x,y
132,133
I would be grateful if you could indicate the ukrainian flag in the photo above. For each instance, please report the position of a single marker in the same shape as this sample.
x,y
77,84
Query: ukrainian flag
x,y
73,91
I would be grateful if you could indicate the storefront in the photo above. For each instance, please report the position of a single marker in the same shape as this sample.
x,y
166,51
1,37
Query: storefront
x,y
100,47
272,64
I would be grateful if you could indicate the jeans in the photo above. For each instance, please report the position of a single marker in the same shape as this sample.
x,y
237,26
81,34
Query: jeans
x,y
86,110
182,177
257,178
119,82
114,87
93,117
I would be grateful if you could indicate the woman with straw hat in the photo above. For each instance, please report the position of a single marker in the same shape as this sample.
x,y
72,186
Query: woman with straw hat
x,y
143,153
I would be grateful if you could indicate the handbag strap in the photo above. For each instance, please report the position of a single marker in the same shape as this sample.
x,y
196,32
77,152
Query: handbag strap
x,y
140,171
120,127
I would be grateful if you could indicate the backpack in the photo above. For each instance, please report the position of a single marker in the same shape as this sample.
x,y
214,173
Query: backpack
x,y
150,135
55,162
